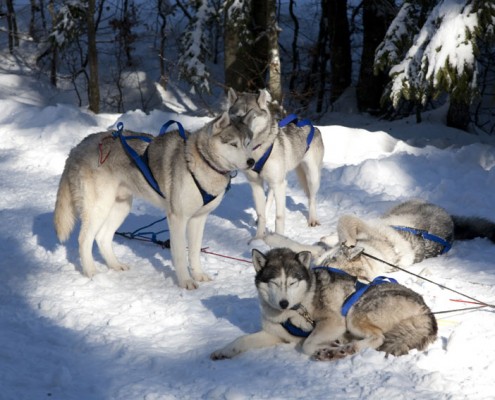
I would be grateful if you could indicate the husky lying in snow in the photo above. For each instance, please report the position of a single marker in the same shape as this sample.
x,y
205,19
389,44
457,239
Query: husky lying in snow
x,y
192,175
277,151
408,233
304,305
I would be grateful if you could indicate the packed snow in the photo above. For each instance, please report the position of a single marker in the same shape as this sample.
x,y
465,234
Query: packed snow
x,y
137,335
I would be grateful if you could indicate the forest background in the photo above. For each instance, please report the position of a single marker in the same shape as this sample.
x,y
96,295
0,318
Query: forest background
x,y
400,57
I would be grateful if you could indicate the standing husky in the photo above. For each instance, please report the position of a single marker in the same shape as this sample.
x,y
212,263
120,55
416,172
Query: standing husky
x,y
408,233
282,150
304,305
100,180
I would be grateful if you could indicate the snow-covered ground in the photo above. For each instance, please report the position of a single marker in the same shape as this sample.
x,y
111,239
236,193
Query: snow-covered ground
x,y
136,335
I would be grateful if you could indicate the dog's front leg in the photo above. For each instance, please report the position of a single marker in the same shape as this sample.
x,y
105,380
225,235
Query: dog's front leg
x,y
279,190
326,334
195,229
259,205
253,341
177,225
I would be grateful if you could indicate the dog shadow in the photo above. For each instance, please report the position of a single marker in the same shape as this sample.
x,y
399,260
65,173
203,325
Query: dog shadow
x,y
236,207
47,238
243,313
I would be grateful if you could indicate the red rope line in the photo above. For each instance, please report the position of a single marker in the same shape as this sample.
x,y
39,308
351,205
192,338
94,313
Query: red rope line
x,y
204,250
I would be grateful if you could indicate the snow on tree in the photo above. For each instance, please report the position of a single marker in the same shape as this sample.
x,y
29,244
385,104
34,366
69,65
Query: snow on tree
x,y
69,21
196,47
439,55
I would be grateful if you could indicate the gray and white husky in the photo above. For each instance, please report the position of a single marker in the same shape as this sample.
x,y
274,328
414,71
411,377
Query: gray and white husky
x,y
406,234
286,149
304,305
100,180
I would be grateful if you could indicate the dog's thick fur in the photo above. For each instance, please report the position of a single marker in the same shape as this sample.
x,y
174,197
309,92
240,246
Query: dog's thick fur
x,y
100,180
288,153
387,317
355,236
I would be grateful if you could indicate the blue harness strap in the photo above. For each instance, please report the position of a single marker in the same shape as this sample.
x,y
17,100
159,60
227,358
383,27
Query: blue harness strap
x,y
291,118
295,330
258,166
361,288
166,125
425,235
140,161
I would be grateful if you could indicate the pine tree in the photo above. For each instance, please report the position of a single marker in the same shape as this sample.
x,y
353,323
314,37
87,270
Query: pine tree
x,y
196,47
438,56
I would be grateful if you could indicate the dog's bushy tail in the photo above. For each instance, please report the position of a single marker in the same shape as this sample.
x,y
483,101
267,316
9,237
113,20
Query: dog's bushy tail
x,y
466,228
64,216
415,332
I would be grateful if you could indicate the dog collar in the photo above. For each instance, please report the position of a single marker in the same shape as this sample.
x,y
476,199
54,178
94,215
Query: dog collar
x,y
295,330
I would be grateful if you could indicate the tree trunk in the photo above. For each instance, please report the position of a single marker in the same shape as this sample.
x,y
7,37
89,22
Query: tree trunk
x,y
93,84
236,64
376,20
275,78
458,115
249,38
340,46
12,26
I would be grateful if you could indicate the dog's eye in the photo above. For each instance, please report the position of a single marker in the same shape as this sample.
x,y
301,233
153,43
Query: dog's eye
x,y
273,283
294,283
234,144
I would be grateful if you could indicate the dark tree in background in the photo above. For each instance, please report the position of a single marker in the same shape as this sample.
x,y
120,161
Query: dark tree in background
x,y
93,85
340,46
377,16
251,46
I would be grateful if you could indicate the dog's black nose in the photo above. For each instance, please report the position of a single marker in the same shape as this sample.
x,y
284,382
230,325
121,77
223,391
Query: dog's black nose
x,y
283,304
250,162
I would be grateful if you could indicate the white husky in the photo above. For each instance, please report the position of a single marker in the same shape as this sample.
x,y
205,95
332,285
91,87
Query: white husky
x,y
278,150
192,175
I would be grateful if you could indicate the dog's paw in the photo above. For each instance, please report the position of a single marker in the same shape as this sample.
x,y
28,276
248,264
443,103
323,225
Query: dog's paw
x,y
120,267
201,277
189,284
334,352
219,355
313,223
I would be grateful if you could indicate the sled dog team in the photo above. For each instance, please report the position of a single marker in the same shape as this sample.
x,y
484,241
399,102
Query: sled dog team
x,y
335,309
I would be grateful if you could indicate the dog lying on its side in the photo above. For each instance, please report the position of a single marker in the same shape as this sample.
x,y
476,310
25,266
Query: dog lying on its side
x,y
304,305
408,233
192,174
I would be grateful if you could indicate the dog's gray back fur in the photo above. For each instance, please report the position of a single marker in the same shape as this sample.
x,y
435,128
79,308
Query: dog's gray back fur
x,y
422,216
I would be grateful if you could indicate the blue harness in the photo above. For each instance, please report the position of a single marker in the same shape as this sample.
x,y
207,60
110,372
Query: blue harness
x,y
360,289
258,166
142,161
425,235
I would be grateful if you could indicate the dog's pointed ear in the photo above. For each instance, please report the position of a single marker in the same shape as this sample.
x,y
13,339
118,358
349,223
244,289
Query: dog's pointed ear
x,y
304,257
220,123
351,253
231,96
259,260
264,98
